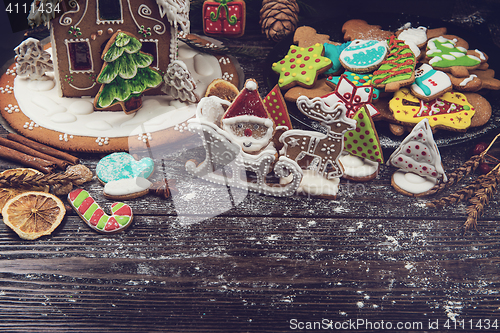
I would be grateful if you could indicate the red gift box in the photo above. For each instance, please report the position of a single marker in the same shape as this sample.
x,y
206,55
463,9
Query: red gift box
x,y
224,18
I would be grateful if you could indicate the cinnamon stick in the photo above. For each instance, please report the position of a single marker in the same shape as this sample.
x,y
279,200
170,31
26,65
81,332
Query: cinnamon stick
x,y
27,160
30,151
43,148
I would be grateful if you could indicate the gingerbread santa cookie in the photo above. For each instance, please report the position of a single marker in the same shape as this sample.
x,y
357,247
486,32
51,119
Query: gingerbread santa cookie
x,y
419,162
247,122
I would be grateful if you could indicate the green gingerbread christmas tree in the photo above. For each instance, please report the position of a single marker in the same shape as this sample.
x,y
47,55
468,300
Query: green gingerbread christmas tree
x,y
363,141
125,74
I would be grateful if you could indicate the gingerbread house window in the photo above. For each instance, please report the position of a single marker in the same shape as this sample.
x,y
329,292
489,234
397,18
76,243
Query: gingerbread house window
x,y
151,46
79,55
109,11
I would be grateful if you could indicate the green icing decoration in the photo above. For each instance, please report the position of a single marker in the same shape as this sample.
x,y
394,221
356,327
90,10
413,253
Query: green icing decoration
x,y
79,199
122,220
399,65
126,72
301,65
444,53
102,222
363,141
90,211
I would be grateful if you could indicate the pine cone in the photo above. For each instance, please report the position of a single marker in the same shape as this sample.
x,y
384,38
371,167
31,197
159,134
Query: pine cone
x,y
279,18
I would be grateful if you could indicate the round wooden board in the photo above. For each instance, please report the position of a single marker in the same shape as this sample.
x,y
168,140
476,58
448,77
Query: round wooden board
x,y
20,123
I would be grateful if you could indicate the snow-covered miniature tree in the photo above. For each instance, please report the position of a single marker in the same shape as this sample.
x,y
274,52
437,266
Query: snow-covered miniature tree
x,y
419,161
125,74
178,81
32,60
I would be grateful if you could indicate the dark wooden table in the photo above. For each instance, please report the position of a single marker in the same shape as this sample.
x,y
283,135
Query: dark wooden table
x,y
213,258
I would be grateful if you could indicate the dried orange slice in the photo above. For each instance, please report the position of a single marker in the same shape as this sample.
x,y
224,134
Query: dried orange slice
x,y
9,193
33,214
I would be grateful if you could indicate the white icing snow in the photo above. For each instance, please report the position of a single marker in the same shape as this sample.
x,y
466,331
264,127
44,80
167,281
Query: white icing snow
x,y
75,116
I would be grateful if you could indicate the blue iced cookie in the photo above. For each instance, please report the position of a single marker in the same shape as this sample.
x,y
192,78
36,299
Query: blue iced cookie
x,y
119,166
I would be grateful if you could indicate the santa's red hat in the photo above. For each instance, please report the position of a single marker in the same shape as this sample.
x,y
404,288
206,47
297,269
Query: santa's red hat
x,y
248,107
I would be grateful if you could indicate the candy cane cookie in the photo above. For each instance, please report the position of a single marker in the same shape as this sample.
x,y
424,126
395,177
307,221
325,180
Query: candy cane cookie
x,y
95,217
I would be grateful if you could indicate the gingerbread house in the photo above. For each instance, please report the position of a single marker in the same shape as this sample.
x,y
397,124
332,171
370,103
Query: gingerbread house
x,y
80,34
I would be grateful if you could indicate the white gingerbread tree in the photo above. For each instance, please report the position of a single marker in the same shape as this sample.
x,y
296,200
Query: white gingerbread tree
x,y
418,153
178,81
32,60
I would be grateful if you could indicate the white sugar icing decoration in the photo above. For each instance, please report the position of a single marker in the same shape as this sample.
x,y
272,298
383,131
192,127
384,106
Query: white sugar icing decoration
x,y
81,107
127,186
42,85
358,167
201,65
416,35
46,103
467,80
163,113
418,154
99,125
63,118
412,183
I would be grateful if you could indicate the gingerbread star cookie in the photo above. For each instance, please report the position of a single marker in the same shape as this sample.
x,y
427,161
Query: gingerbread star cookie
x,y
301,66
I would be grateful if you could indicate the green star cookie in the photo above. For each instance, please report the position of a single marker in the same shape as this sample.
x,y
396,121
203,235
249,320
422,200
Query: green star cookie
x,y
301,66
